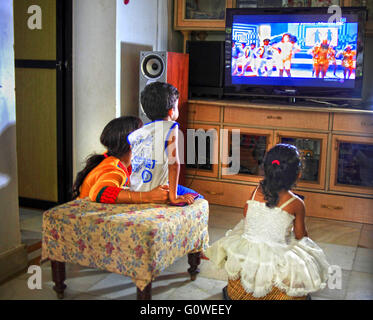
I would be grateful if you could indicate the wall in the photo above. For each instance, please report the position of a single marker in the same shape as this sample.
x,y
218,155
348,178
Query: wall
x,y
94,74
13,257
141,26
107,39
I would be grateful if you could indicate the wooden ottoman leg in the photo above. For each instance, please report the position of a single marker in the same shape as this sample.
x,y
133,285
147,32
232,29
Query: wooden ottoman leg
x,y
194,259
59,276
145,294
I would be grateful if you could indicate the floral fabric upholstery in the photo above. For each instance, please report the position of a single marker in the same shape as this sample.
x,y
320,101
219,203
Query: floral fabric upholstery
x,y
136,240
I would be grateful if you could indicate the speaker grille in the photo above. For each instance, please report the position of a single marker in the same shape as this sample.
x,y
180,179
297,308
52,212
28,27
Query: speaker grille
x,y
206,63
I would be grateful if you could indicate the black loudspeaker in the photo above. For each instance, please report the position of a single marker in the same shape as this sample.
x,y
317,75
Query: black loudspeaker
x,y
206,68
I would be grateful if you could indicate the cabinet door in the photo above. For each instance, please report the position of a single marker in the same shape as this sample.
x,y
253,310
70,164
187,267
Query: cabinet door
x,y
250,145
203,112
202,157
338,207
312,147
352,165
201,15
222,193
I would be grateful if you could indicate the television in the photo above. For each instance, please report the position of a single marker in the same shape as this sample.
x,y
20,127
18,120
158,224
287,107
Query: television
x,y
295,52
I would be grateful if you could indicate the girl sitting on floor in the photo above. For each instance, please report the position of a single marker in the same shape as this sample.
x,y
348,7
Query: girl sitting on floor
x,y
106,175
268,255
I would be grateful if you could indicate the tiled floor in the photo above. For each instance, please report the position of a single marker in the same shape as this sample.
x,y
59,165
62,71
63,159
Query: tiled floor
x,y
346,244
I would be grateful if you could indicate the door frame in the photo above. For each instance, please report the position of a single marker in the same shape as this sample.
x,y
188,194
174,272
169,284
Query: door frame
x,y
64,95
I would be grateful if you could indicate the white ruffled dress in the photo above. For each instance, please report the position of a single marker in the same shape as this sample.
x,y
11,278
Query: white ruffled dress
x,y
263,252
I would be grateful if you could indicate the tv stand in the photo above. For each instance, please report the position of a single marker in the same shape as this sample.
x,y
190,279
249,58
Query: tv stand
x,y
293,101
327,103
318,130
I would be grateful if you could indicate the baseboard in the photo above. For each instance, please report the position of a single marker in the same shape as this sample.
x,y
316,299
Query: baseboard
x,y
12,262
36,204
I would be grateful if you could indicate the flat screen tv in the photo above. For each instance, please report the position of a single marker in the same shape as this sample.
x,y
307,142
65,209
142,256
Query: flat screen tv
x,y
295,52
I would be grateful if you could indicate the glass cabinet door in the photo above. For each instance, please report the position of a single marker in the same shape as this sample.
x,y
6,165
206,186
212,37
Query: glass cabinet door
x,y
201,14
250,147
352,164
204,10
206,140
312,148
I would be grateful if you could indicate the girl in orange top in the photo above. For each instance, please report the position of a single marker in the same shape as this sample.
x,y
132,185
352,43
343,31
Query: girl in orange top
x,y
105,176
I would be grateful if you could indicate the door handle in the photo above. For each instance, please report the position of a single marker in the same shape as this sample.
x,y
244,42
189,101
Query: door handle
x,y
330,207
213,193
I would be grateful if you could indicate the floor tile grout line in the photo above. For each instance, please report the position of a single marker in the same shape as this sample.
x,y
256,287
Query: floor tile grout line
x,y
355,254
358,241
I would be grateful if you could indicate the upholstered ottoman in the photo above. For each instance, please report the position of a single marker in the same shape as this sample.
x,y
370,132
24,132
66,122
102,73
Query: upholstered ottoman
x,y
135,240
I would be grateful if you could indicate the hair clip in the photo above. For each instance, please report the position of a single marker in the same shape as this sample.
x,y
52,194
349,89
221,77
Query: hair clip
x,y
276,162
105,155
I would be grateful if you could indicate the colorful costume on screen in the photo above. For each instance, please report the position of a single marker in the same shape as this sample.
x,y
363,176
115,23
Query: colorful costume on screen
x,y
348,61
238,55
322,63
286,48
265,55
333,60
314,53
323,55
250,54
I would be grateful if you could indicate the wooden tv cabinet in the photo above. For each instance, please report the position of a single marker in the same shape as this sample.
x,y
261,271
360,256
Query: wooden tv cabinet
x,y
335,183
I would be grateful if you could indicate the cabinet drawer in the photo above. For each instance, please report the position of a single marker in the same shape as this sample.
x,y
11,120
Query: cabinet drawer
x,y
276,118
226,194
203,112
338,207
353,123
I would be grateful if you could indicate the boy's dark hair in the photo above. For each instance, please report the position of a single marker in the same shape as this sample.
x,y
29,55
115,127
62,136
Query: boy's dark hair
x,y
282,165
157,98
114,138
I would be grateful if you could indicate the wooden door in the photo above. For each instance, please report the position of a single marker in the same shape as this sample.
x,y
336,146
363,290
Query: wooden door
x,y
43,33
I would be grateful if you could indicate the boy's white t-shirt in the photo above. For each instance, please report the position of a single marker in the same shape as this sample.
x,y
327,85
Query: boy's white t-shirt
x,y
149,155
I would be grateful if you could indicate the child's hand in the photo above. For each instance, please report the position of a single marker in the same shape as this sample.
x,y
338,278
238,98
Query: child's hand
x,y
159,194
186,198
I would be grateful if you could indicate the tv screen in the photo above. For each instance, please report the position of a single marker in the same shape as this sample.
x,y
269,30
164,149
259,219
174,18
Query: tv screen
x,y
295,52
